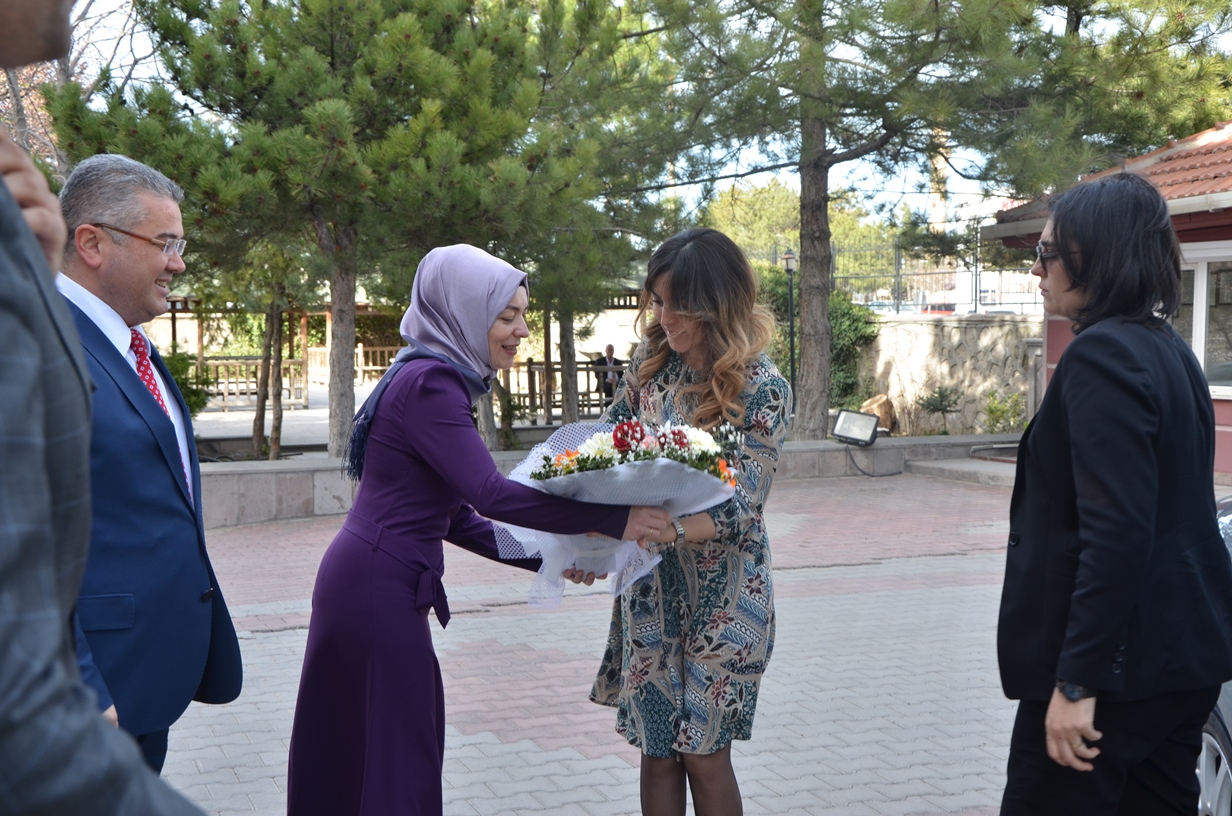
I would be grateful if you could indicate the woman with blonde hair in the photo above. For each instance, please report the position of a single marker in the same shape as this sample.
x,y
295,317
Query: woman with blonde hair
x,y
689,642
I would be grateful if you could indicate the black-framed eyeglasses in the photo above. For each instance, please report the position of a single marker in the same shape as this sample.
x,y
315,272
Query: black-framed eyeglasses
x,y
1043,255
169,246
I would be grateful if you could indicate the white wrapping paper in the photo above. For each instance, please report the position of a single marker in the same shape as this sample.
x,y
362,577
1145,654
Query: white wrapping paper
x,y
677,488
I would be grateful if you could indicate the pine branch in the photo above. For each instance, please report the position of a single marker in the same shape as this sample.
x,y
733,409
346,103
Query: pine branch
x,y
705,180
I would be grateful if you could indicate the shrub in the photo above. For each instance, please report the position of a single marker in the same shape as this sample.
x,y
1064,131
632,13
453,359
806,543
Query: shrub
x,y
852,327
194,385
1004,416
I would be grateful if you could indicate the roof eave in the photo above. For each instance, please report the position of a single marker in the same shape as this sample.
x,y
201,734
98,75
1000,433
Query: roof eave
x,y
1212,202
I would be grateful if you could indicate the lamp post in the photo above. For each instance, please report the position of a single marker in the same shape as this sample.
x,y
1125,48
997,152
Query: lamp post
x,y
789,263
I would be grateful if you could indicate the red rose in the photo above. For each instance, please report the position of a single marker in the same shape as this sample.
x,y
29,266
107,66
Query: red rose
x,y
627,435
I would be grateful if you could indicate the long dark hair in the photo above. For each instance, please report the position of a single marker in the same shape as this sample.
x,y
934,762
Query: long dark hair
x,y
709,280
1115,238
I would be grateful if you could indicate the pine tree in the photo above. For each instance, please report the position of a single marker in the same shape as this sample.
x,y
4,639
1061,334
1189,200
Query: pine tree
x,y
1101,82
812,85
372,131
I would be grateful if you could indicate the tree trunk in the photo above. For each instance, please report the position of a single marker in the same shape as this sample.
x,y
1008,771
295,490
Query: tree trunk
x,y
547,367
338,244
813,382
507,439
64,75
263,378
568,370
486,421
21,125
276,317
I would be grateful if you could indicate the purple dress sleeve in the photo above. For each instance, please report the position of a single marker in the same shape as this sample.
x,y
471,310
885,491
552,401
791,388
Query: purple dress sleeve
x,y
440,431
473,532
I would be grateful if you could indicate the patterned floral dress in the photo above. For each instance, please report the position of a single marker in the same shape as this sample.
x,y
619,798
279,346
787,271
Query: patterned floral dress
x,y
689,642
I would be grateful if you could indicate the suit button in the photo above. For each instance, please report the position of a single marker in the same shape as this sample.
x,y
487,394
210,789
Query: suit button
x,y
1116,668
209,593
1013,539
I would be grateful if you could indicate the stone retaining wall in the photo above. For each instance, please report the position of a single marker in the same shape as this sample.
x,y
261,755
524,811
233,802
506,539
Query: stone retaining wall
x,y
234,493
914,354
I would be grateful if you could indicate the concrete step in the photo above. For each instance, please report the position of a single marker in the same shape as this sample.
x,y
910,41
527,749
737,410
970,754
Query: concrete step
x,y
977,471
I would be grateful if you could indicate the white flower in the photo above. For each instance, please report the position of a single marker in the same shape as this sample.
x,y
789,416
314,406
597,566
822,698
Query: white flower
x,y
700,441
600,446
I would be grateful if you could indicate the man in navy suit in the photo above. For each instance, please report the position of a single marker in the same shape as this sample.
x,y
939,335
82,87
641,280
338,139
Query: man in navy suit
x,y
153,631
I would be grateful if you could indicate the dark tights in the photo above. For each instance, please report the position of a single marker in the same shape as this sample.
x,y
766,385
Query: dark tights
x,y
710,777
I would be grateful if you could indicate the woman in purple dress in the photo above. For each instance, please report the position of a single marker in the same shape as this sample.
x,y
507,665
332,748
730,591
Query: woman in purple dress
x,y
369,730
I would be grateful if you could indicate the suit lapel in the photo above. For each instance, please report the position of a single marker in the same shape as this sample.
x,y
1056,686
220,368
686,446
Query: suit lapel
x,y
139,397
192,465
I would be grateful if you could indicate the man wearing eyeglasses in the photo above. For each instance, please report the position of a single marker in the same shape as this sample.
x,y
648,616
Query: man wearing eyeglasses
x,y
153,631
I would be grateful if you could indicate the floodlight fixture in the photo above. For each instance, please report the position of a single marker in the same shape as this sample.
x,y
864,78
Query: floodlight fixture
x,y
855,428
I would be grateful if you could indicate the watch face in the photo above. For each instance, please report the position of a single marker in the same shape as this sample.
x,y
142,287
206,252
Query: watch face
x,y
1072,692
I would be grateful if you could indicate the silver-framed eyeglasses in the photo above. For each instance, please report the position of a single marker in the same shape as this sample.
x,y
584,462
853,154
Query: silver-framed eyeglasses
x,y
1044,255
169,246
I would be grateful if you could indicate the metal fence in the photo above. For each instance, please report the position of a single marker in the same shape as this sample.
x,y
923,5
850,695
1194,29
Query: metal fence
x,y
887,279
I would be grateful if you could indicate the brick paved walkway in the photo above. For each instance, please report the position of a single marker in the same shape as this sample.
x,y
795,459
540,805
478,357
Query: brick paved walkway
x,y
882,696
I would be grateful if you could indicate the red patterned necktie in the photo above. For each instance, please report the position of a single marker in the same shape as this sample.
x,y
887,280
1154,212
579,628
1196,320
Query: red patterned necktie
x,y
145,370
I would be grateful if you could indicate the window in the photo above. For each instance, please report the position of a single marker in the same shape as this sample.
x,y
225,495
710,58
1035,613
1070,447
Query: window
x,y
1217,361
1183,322
1205,316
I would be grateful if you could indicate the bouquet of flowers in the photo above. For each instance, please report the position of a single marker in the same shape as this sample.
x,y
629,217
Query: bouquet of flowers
x,y
631,441
679,468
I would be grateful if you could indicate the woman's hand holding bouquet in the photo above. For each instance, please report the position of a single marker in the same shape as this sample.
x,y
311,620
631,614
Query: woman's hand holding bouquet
x,y
668,471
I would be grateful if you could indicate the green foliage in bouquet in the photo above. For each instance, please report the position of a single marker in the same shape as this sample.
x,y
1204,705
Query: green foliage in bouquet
x,y
631,441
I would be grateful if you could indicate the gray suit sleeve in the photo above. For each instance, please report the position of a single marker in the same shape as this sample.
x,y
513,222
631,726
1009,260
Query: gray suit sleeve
x,y
57,753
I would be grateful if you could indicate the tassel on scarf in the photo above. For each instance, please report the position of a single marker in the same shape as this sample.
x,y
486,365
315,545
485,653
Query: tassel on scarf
x,y
353,459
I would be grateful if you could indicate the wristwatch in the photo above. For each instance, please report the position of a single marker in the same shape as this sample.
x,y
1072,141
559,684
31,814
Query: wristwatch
x,y
1074,692
679,533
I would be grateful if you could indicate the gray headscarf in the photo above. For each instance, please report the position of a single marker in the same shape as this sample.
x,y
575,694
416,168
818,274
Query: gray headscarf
x,y
458,293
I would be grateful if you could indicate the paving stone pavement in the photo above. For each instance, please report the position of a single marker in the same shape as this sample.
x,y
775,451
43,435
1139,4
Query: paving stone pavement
x,y
882,696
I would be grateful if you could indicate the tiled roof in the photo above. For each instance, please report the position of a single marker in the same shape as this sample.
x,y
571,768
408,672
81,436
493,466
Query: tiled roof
x,y
1195,166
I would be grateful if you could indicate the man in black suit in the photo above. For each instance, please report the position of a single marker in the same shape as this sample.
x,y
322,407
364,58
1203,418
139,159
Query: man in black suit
x,y
607,378
1116,614
57,755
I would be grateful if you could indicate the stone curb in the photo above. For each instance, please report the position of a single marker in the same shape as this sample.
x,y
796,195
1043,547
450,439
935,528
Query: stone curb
x,y
235,493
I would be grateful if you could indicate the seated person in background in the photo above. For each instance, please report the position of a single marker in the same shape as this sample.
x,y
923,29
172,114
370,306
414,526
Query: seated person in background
x,y
608,380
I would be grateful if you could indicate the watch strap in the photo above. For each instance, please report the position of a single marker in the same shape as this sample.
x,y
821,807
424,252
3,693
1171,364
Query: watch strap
x,y
1074,692
679,532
